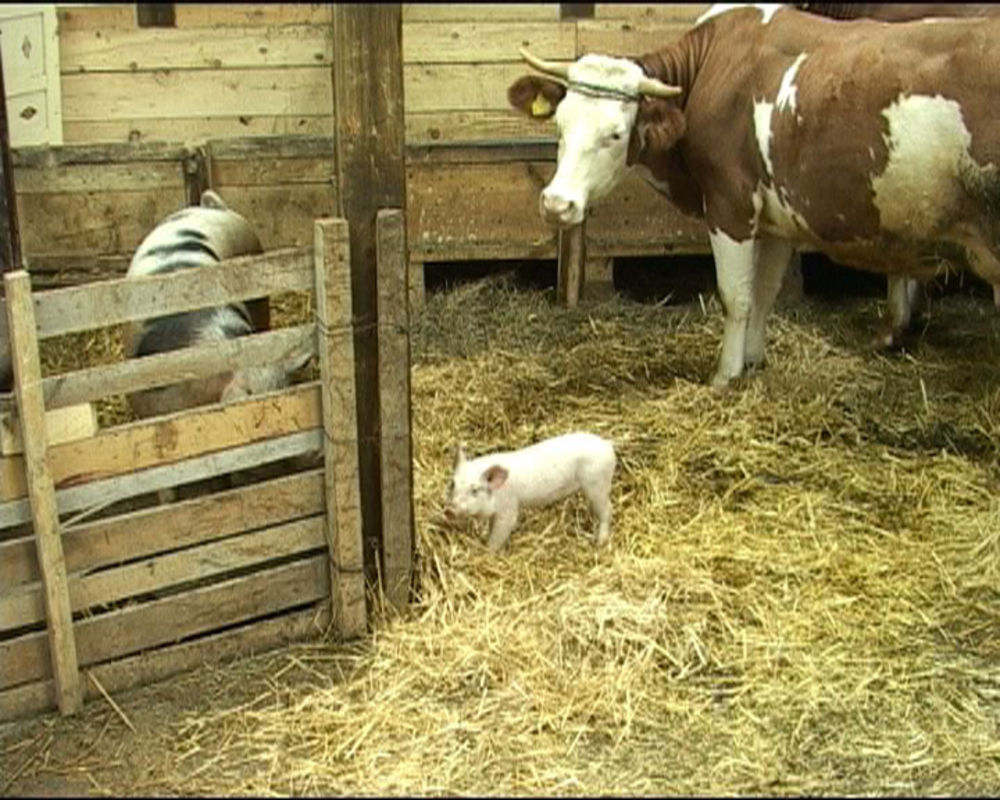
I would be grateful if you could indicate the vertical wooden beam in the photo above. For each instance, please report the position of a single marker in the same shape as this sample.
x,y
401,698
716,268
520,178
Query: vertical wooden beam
x,y
10,235
368,131
394,383
335,334
572,255
415,279
197,174
41,490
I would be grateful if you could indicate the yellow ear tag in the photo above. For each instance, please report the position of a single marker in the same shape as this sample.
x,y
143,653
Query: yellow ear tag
x,y
541,107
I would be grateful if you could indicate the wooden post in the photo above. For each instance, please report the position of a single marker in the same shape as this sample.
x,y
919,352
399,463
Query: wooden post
x,y
572,255
394,383
335,334
10,236
368,129
41,490
415,280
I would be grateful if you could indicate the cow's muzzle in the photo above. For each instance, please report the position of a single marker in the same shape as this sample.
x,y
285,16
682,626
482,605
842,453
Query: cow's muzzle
x,y
559,210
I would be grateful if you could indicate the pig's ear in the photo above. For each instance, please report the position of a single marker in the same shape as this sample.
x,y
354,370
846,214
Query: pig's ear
x,y
495,477
459,454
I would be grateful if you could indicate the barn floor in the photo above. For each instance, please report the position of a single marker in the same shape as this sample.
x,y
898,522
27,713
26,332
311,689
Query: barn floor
x,y
801,594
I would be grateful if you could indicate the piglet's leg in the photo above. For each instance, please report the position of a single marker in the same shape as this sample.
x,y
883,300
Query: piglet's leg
x,y
598,491
501,527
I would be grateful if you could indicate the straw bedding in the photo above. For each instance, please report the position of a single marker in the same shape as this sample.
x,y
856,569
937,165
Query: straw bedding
x,y
800,594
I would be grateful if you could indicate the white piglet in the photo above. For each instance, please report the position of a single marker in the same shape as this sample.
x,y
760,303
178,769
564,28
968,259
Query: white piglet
x,y
498,485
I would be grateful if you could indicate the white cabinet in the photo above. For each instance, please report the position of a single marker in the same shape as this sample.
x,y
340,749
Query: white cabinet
x,y
29,41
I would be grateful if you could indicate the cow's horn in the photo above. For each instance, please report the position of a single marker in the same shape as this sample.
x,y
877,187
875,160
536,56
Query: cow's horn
x,y
657,88
548,67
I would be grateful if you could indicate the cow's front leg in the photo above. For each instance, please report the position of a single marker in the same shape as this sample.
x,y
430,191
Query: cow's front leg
x,y
734,267
772,259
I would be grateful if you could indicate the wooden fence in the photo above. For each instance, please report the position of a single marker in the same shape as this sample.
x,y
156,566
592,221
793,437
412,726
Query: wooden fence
x,y
91,604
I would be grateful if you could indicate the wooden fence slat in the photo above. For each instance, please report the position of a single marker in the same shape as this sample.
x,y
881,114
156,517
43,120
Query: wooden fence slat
x,y
26,606
175,366
572,255
394,407
129,630
143,533
155,665
41,489
481,41
83,308
172,438
100,493
335,318
187,93
146,49
471,12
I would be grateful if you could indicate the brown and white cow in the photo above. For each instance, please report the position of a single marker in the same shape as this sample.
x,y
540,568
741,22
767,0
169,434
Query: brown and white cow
x,y
876,144
905,295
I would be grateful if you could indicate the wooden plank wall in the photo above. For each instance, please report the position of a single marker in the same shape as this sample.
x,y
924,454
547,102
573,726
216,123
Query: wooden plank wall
x,y
85,207
265,69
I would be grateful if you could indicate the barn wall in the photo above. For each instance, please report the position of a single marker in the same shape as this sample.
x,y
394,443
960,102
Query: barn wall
x,y
264,69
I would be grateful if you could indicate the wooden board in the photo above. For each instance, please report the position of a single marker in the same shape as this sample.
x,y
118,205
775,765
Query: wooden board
x,y
25,606
87,222
396,448
176,366
59,642
461,87
127,673
473,12
61,425
194,129
240,46
175,437
463,126
143,533
190,15
136,177
499,211
481,42
341,456
613,37
187,93
145,49
126,299
129,630
659,12
97,495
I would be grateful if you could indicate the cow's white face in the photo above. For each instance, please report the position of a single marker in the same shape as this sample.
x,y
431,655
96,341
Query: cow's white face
x,y
594,132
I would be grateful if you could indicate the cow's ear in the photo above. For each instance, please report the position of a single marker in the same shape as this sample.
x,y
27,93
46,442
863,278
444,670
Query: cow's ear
x,y
536,96
658,127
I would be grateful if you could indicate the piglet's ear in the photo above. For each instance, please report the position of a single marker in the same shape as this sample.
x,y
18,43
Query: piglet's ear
x,y
459,454
495,476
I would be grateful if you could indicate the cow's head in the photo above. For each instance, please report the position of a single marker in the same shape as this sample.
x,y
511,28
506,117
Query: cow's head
x,y
608,111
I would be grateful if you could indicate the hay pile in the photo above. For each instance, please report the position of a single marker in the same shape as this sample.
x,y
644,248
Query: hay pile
x,y
800,594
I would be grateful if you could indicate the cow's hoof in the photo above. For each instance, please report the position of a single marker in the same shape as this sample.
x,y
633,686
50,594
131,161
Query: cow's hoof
x,y
888,341
720,382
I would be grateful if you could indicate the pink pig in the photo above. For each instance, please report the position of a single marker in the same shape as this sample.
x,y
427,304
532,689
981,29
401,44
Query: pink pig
x,y
497,485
